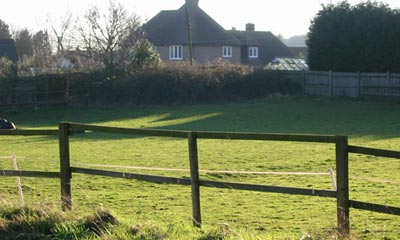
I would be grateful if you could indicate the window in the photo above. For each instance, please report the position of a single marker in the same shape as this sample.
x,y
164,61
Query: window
x,y
176,52
226,51
253,52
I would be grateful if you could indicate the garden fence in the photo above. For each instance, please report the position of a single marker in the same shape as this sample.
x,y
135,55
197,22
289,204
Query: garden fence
x,y
346,84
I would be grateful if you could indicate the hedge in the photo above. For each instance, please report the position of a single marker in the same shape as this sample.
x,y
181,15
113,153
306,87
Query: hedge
x,y
165,85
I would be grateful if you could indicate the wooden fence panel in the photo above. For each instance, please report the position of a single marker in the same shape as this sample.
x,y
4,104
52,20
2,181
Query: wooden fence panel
x,y
317,83
354,85
345,84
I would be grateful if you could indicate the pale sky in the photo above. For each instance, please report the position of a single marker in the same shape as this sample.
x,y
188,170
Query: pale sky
x,y
286,17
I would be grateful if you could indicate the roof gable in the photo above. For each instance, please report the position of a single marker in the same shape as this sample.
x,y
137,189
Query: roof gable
x,y
8,50
170,27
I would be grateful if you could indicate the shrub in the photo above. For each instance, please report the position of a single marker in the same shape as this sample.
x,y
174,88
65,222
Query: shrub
x,y
7,68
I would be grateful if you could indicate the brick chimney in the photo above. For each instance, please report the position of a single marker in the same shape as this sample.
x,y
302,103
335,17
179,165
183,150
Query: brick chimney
x,y
250,27
192,2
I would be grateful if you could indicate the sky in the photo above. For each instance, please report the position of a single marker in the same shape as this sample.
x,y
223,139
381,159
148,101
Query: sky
x,y
284,17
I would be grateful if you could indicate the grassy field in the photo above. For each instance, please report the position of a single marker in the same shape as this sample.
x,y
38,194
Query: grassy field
x,y
252,215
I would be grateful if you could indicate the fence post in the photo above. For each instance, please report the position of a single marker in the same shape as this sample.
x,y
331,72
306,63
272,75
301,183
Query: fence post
x,y
195,179
342,178
65,170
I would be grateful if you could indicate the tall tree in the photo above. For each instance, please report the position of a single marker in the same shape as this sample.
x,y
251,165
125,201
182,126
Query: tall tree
x,y
355,38
4,30
104,35
23,43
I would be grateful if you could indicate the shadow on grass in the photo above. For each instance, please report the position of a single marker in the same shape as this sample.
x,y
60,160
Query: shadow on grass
x,y
373,120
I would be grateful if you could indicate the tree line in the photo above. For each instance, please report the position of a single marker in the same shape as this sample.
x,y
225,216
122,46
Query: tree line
x,y
111,40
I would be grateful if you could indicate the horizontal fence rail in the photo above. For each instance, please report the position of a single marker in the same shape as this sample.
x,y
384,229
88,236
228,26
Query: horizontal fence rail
x,y
208,135
271,189
39,174
142,177
374,152
23,132
375,207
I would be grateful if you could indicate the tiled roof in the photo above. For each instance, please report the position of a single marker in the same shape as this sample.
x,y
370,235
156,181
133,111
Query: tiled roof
x,y
170,27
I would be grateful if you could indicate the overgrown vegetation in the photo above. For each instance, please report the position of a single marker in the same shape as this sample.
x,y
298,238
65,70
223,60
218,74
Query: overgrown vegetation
x,y
46,222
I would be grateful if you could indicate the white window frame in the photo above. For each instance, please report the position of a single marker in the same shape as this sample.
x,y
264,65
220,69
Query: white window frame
x,y
227,51
253,52
176,52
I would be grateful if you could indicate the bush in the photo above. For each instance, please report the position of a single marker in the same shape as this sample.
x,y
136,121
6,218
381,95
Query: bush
x,y
7,68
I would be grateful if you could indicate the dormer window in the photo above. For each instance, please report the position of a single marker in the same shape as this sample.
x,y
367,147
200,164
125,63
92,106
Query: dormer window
x,y
176,52
227,51
253,52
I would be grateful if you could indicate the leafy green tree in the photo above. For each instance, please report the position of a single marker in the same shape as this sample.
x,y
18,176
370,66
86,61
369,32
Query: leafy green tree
x,y
4,30
142,55
355,38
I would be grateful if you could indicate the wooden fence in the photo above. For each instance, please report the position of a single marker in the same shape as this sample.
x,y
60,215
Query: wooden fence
x,y
341,84
342,163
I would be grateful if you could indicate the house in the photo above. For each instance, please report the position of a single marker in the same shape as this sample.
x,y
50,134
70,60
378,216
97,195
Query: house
x,y
169,32
8,49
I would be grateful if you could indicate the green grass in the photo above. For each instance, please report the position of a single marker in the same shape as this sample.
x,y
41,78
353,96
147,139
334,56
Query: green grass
x,y
251,214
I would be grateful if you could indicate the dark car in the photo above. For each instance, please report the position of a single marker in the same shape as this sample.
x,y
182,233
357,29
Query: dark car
x,y
5,124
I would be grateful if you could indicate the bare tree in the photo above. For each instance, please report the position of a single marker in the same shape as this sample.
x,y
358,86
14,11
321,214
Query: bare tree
x,y
104,35
60,29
